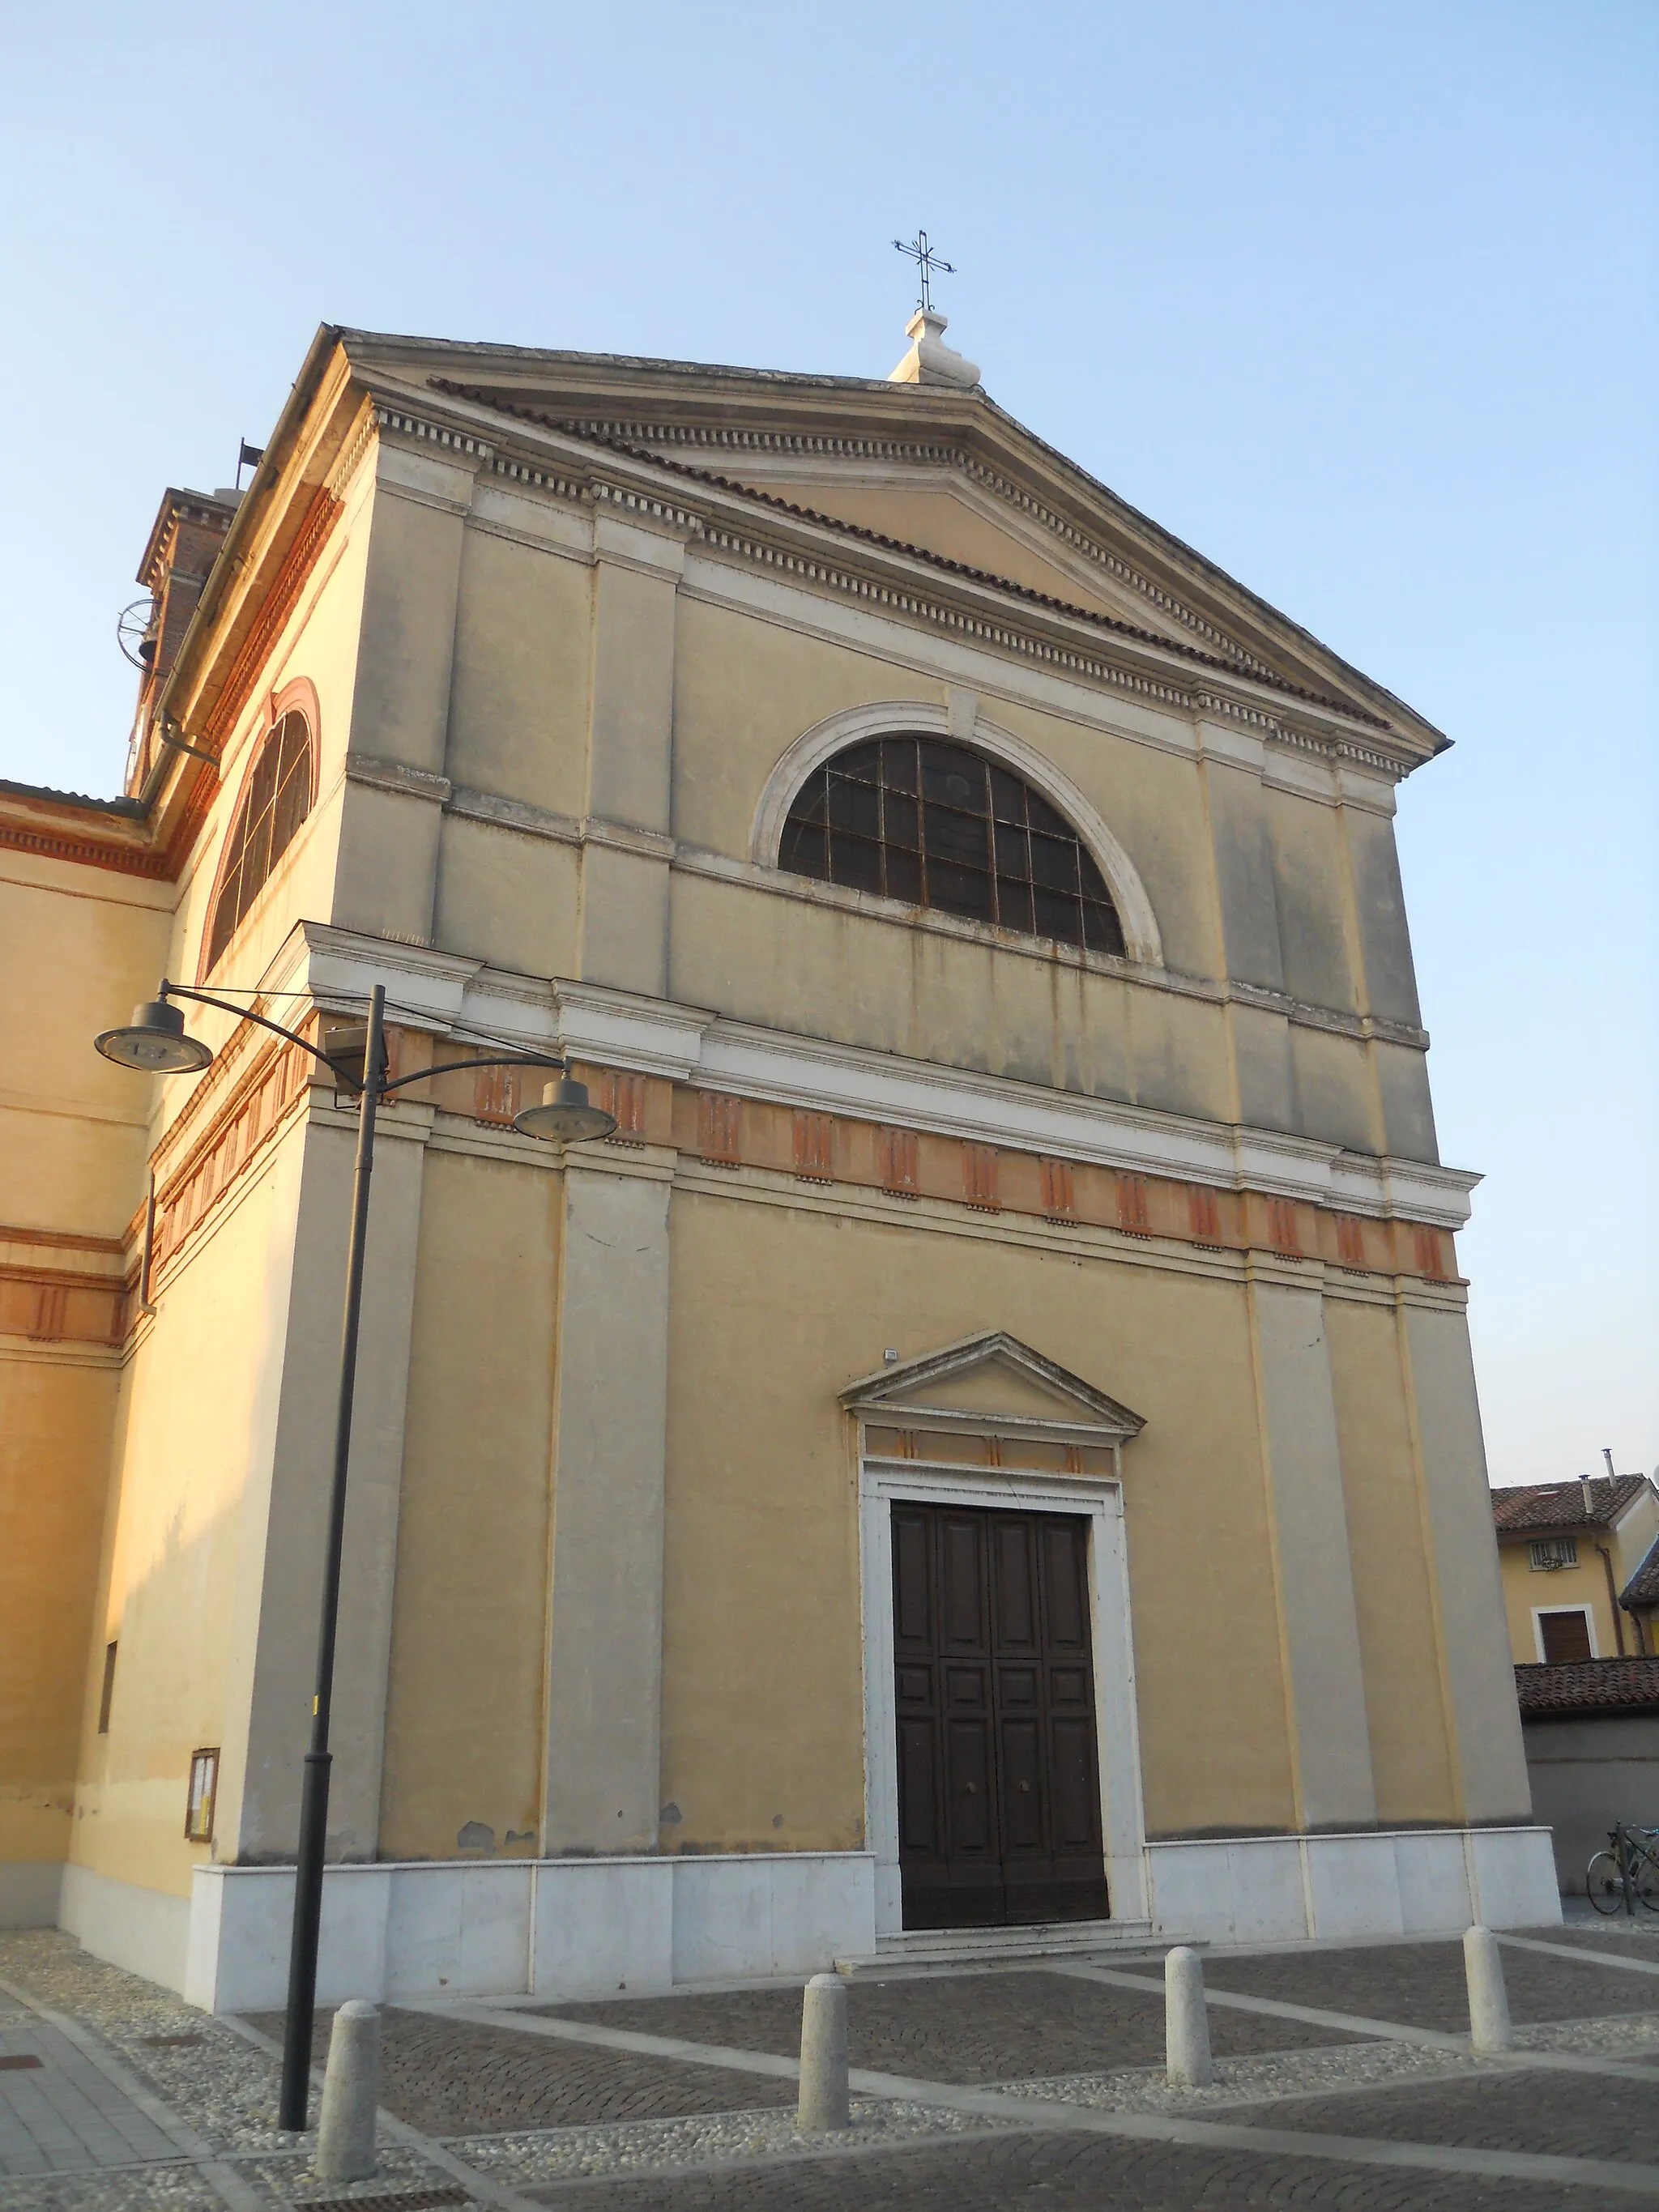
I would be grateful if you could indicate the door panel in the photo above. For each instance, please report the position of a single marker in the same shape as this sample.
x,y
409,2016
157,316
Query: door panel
x,y
999,1773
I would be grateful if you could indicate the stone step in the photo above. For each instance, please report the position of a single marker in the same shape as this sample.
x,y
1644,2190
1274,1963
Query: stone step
x,y
966,1946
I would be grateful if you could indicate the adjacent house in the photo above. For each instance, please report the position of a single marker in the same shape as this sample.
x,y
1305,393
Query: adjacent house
x,y
1580,1576
1580,1562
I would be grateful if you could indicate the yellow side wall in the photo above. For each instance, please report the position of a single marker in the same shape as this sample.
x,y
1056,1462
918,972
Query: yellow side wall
x,y
54,1418
175,1584
83,944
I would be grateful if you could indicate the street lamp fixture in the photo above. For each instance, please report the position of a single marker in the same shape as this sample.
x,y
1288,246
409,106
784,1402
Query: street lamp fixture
x,y
564,1116
155,1043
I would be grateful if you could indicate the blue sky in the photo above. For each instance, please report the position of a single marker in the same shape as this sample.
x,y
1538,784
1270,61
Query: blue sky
x,y
1358,299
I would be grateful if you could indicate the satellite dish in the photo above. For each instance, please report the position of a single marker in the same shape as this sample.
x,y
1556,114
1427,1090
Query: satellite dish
x,y
132,632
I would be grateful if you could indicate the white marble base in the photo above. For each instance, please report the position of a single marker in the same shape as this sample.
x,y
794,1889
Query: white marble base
x,y
29,1891
145,1930
1402,1881
544,1927
587,1928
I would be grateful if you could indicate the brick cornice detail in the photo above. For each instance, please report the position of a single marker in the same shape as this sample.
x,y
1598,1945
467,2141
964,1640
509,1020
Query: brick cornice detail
x,y
240,684
85,850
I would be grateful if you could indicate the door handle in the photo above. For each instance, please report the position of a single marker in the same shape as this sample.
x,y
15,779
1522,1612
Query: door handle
x,y
1025,1786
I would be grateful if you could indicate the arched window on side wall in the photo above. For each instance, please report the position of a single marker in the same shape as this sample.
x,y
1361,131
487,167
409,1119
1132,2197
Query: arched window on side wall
x,y
277,801
939,826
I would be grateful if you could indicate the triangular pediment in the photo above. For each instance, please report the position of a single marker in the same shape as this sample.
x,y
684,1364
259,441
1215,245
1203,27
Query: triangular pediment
x,y
948,515
992,1382
942,473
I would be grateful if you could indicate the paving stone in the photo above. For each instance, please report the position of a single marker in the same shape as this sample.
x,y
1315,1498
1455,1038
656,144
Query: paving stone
x,y
1573,2116
957,2028
1422,1984
450,2077
1011,2174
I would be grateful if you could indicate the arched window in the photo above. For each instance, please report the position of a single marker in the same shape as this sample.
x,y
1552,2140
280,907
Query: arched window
x,y
939,826
277,801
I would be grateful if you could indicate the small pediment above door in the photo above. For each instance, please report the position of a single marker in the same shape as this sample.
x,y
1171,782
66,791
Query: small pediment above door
x,y
992,1385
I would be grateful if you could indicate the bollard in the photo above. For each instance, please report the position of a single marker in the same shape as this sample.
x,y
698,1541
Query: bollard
x,y
823,2055
1489,2003
1186,2023
351,2090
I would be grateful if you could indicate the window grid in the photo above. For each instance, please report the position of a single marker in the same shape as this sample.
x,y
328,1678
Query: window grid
x,y
1548,1553
936,825
278,800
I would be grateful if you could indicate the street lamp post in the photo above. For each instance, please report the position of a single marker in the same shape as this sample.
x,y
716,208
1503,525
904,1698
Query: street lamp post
x,y
156,1042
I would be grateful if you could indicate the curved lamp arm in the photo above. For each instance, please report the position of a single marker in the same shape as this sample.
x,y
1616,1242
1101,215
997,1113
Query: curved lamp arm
x,y
420,1075
245,1014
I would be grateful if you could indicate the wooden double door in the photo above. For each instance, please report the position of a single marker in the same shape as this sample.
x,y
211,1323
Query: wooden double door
x,y
997,1764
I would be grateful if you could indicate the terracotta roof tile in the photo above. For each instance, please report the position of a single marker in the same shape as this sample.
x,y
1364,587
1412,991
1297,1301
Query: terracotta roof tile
x,y
1533,1507
1588,1686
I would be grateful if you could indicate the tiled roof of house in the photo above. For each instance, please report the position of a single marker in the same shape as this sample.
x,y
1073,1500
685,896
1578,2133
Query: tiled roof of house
x,y
1643,1587
1588,1686
1530,1508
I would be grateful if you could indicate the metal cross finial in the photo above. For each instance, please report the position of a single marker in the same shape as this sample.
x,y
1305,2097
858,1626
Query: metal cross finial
x,y
928,263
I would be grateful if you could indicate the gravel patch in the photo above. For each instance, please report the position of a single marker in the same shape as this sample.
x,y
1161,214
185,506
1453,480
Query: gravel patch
x,y
150,2189
1250,2080
1628,2034
293,2181
654,2146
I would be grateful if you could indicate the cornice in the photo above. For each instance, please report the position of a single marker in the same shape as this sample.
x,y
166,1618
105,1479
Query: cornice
x,y
755,528
54,827
731,438
85,852
452,996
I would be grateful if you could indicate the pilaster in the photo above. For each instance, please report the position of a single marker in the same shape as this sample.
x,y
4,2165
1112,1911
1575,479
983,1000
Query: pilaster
x,y
386,876
1232,759
628,842
605,1596
287,1582
1462,1556
1320,1623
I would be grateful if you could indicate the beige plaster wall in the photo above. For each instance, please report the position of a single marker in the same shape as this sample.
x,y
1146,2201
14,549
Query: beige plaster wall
x,y
776,1310
83,946
507,667
57,1405
519,697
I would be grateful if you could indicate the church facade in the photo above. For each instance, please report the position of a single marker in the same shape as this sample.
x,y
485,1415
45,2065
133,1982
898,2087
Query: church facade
x,y
986,1454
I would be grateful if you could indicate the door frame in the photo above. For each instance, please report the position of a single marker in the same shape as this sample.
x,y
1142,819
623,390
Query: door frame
x,y
1098,1499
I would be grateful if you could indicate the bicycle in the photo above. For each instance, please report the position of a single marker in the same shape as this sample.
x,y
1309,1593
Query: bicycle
x,y
1627,1872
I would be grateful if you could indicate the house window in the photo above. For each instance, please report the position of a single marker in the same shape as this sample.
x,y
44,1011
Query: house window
x,y
1563,1636
277,801
107,1694
203,1789
1551,1551
939,826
